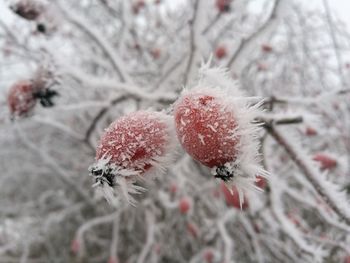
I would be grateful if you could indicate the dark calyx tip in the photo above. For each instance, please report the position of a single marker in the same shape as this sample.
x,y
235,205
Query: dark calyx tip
x,y
223,173
41,28
103,175
45,96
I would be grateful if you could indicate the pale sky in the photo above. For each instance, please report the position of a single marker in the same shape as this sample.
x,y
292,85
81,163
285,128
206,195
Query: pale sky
x,y
340,8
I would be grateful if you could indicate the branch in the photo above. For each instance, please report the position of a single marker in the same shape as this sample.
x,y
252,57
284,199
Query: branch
x,y
313,176
245,42
193,45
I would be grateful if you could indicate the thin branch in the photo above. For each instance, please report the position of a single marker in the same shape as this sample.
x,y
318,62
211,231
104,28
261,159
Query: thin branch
x,y
246,41
309,173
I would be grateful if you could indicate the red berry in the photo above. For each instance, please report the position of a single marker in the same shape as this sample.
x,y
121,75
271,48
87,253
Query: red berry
x,y
223,5
220,52
137,6
347,259
232,199
156,53
137,144
325,161
184,205
21,99
260,182
29,10
205,129
266,48
208,256
310,131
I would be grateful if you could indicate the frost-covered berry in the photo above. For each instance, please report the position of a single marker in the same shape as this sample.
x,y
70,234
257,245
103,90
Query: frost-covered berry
x,y
232,197
23,95
28,9
184,205
325,161
21,100
215,125
220,52
133,147
223,5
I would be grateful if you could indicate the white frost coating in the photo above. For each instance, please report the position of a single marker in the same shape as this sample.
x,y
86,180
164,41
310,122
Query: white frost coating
x,y
216,82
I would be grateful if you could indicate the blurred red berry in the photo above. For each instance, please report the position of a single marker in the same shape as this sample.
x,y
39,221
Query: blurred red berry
x,y
28,9
184,205
310,131
204,128
325,161
21,100
208,256
223,5
156,53
137,6
220,52
266,48
347,259
232,199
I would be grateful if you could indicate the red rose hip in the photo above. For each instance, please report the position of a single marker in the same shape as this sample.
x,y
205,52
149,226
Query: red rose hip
x,y
137,144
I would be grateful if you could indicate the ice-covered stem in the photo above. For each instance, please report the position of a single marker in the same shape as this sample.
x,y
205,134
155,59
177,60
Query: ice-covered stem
x,y
150,222
89,224
193,46
228,242
85,26
310,174
115,238
245,42
50,162
267,120
247,224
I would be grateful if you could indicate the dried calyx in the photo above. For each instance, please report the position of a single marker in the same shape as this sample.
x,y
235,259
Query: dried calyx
x,y
45,96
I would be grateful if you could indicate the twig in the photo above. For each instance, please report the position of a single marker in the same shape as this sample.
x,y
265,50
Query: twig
x,y
308,171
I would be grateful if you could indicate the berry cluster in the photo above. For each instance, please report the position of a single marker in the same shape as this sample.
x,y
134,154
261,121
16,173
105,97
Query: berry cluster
x,y
214,125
